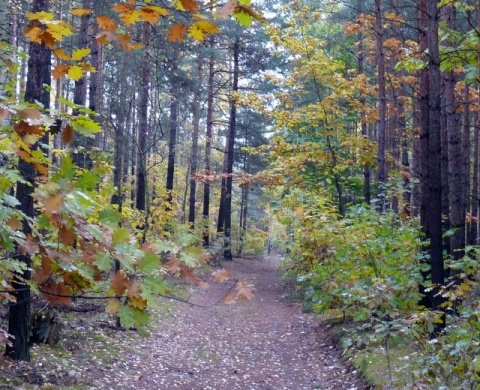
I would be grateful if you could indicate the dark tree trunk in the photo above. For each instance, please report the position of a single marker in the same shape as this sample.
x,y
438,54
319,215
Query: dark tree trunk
x,y
208,145
230,154
141,195
172,144
382,105
194,157
435,153
19,311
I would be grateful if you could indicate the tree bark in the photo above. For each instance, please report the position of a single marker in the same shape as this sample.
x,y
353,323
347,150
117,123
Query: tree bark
x,y
382,105
208,146
435,163
194,156
141,173
172,144
227,253
39,64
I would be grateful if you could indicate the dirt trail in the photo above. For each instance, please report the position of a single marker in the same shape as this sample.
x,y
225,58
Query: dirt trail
x,y
266,343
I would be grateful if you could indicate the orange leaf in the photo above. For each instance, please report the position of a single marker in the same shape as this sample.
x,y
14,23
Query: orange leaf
x,y
222,276
60,53
60,70
106,23
123,7
191,276
42,169
48,39
177,33
80,11
67,134
190,5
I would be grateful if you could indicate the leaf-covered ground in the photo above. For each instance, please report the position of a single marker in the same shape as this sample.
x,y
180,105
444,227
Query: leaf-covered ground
x,y
265,343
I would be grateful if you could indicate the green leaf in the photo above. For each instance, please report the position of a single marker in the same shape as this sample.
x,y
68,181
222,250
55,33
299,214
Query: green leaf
x,y
88,180
243,18
104,261
126,316
86,126
150,263
121,236
110,217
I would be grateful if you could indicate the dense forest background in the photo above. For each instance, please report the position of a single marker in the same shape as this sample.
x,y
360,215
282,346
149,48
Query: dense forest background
x,y
144,137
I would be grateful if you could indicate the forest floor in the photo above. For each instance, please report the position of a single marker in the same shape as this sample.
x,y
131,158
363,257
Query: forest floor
x,y
264,343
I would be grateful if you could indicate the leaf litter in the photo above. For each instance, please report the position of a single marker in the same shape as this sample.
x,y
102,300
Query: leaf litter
x,y
262,343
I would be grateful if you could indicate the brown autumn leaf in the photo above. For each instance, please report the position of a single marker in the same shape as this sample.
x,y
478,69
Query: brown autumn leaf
x,y
4,114
174,265
222,275
14,223
245,290
53,204
57,293
60,70
23,128
177,33
67,236
120,282
67,134
192,277
227,9
30,246
230,298
190,5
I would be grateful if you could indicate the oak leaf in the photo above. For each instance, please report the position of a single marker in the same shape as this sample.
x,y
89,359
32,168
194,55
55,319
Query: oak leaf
x,y
67,134
120,282
106,23
177,33
67,236
60,70
80,11
222,275
190,5
227,9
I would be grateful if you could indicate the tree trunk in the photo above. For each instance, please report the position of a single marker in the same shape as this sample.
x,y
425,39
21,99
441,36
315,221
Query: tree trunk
x,y
227,253
194,157
208,145
172,144
143,124
382,105
363,114
81,144
435,163
19,311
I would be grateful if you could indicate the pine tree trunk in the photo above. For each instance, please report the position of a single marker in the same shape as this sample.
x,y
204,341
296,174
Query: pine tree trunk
x,y
194,157
382,105
208,146
227,253
435,163
141,181
82,145
19,311
172,144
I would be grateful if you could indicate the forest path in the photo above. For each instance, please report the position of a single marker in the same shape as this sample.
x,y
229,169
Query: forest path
x,y
265,343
